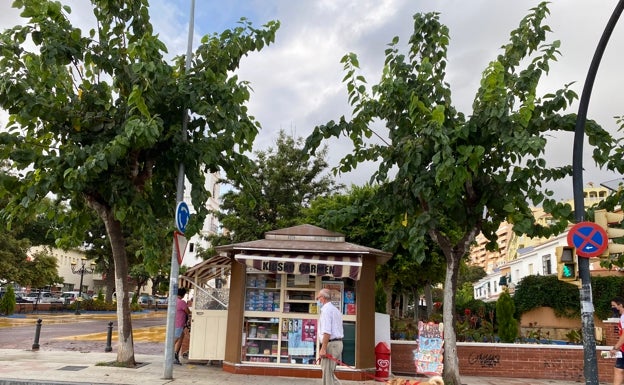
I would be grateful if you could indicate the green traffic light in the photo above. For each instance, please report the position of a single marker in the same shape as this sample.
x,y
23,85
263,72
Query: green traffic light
x,y
567,271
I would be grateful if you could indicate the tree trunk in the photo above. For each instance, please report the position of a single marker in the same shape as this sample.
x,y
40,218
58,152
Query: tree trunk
x,y
429,300
388,291
451,360
110,282
416,303
125,352
405,302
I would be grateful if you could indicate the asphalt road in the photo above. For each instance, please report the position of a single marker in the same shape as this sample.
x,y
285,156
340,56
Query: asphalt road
x,y
84,333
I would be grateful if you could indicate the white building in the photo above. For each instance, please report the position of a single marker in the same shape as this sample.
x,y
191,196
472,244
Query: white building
x,y
532,260
211,224
91,282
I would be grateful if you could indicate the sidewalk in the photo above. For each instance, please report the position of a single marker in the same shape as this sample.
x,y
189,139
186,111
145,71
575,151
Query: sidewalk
x,y
68,367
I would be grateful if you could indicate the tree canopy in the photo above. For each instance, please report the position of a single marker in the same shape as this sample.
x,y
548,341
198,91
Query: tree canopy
x,y
96,120
272,192
456,175
357,214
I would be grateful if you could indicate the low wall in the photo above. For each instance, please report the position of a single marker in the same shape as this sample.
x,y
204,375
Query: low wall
x,y
21,308
555,362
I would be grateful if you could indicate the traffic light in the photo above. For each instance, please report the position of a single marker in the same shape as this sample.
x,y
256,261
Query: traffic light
x,y
603,218
567,266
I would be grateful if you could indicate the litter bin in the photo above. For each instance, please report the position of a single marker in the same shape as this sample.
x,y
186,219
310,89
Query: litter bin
x,y
382,361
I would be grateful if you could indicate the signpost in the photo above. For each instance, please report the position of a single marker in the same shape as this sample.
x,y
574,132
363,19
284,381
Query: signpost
x,y
589,239
180,222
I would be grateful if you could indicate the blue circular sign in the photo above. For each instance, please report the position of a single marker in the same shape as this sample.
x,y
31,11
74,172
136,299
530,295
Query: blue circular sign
x,y
589,239
182,216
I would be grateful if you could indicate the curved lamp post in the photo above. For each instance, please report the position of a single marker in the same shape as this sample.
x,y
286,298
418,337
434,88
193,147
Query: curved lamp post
x,y
82,270
590,368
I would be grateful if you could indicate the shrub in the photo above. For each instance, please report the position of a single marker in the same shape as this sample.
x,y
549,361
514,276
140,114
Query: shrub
x,y
7,302
507,324
534,291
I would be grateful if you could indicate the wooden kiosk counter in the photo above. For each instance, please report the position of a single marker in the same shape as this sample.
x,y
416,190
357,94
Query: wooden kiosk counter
x,y
271,318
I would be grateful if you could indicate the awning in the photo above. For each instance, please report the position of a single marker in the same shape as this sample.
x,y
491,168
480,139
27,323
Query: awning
x,y
337,266
207,270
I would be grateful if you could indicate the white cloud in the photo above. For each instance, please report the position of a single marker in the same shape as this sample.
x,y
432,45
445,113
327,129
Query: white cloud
x,y
297,81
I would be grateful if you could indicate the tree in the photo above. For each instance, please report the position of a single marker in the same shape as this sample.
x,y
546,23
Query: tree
x,y
17,266
507,324
276,188
13,258
42,270
455,176
96,120
357,214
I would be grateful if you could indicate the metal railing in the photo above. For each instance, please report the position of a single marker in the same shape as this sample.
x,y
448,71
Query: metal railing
x,y
208,297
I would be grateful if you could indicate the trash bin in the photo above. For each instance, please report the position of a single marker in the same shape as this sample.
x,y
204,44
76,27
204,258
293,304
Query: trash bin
x,y
382,361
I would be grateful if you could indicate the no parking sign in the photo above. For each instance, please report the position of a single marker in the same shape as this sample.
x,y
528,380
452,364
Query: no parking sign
x,y
589,239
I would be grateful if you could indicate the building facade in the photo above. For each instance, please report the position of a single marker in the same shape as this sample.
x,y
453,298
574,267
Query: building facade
x,y
211,224
519,256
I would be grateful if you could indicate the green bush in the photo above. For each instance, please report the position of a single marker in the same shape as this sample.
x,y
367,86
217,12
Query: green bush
x,y
7,302
507,324
535,291
603,291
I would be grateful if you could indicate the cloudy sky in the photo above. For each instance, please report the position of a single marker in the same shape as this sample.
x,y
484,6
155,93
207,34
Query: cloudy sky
x,y
297,81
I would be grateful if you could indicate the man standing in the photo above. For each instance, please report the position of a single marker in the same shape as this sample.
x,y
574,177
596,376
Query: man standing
x,y
330,336
182,313
617,303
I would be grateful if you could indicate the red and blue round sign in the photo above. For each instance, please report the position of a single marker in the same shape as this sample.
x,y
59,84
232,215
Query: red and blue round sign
x,y
589,239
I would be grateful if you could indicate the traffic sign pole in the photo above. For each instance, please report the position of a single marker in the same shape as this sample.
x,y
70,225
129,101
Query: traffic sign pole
x,y
587,309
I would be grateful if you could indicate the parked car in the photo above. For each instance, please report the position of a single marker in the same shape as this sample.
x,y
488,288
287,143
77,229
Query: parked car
x,y
131,294
70,297
161,300
146,300
18,298
42,297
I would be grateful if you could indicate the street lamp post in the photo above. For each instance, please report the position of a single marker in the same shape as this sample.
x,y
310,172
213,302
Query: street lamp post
x,y
590,368
82,270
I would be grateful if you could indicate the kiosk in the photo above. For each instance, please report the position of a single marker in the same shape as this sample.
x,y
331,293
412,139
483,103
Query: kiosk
x,y
271,320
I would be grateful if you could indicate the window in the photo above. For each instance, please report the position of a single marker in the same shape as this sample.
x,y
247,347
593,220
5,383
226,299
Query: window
x,y
546,266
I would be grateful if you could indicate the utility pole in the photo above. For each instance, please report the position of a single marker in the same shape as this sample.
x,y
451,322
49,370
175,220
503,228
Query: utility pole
x,y
175,268
590,366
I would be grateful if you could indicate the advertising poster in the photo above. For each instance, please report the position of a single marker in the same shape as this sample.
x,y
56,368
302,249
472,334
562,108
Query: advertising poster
x,y
349,302
430,353
335,290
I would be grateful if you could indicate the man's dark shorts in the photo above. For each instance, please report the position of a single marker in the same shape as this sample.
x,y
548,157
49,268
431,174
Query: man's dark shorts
x,y
619,363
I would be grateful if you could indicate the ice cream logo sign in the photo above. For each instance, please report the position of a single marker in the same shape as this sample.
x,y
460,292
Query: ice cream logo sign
x,y
383,363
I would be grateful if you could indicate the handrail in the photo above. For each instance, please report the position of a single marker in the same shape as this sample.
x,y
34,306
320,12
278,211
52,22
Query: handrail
x,y
203,291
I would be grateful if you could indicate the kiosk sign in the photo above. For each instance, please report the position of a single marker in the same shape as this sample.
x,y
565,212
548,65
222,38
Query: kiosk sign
x,y
589,239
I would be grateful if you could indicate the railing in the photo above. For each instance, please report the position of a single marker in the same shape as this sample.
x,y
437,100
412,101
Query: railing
x,y
208,298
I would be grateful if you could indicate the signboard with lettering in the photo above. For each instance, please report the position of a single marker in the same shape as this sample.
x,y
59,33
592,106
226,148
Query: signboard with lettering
x,y
331,266
430,354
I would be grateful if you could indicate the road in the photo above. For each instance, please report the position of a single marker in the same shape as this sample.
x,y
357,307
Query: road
x,y
85,332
